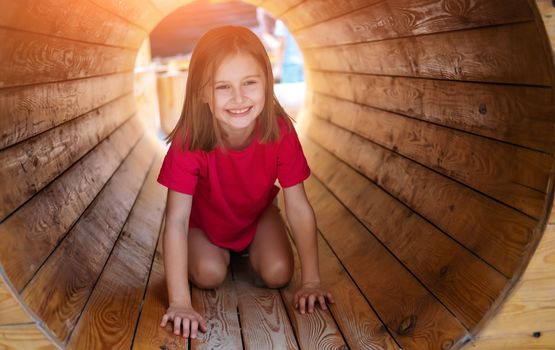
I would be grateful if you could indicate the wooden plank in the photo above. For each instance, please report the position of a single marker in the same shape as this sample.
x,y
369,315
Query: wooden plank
x,y
461,281
402,18
148,334
503,54
61,287
276,8
219,309
82,21
111,313
35,58
33,164
519,115
30,234
139,12
24,337
264,320
359,324
545,341
412,314
530,306
28,111
314,11
11,311
165,7
495,232
514,175
317,330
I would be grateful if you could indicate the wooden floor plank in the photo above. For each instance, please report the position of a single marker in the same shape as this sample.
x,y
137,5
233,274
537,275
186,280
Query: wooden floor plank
x,y
110,316
31,233
61,287
264,320
317,330
359,324
219,309
149,335
24,337
416,319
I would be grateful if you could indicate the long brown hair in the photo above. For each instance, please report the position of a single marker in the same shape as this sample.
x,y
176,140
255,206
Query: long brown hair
x,y
198,128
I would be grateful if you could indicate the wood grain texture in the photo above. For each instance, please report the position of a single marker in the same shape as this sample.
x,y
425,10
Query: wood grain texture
x,y
61,287
165,7
464,283
31,233
142,13
28,111
410,312
24,337
219,309
171,96
359,324
110,316
500,54
310,12
35,163
277,8
82,21
519,115
148,334
317,330
264,320
379,149
546,341
11,311
402,18
35,58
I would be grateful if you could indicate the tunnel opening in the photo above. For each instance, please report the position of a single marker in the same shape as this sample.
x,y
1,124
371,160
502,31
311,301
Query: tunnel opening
x,y
430,137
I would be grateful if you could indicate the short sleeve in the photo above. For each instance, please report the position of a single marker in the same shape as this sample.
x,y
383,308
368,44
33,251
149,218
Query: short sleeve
x,y
292,167
180,169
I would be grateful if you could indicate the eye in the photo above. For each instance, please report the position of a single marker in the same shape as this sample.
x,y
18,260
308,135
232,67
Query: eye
x,y
251,82
222,87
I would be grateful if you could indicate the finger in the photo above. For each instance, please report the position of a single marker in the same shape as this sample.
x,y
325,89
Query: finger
x,y
176,325
302,301
331,299
194,326
164,320
203,325
322,302
311,299
296,300
186,324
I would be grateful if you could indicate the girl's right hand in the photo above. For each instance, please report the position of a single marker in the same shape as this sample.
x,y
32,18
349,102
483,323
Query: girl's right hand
x,y
186,316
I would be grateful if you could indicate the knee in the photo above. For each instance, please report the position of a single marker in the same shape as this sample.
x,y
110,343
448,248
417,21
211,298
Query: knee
x,y
207,275
278,274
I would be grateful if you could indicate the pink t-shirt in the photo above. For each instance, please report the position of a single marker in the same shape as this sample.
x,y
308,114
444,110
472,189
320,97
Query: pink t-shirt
x,y
231,190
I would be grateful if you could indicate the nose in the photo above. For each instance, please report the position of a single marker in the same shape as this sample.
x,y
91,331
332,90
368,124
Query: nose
x,y
237,95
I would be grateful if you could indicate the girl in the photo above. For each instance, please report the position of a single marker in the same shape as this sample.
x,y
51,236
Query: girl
x,y
232,142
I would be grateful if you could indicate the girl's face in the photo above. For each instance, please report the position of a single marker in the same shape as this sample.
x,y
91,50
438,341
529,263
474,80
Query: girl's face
x,y
239,92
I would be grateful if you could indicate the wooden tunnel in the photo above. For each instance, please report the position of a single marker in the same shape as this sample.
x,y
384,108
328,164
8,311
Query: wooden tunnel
x,y
430,134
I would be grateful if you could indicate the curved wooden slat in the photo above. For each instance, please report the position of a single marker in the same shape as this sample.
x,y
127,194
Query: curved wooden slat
x,y
28,111
35,163
87,22
71,271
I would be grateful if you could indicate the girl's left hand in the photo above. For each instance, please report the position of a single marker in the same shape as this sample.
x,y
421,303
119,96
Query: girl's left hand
x,y
308,294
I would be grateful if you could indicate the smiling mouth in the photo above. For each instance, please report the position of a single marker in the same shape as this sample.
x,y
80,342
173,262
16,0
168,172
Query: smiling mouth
x,y
239,112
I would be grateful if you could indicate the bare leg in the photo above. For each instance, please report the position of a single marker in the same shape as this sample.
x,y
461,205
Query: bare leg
x,y
207,263
270,252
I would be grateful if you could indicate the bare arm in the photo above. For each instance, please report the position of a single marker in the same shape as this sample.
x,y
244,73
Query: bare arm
x,y
180,310
303,226
178,210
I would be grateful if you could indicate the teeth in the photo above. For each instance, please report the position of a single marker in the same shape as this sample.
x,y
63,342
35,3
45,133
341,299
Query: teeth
x,y
239,111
